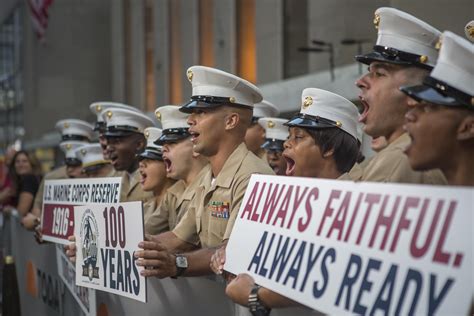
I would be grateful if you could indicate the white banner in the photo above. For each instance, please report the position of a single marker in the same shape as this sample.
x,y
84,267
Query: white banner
x,y
357,248
60,197
84,297
107,237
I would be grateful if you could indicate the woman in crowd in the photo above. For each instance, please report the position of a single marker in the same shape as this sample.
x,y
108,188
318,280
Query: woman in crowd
x,y
322,144
26,176
153,171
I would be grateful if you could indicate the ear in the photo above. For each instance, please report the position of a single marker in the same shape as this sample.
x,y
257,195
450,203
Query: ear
x,y
232,120
466,128
140,143
328,153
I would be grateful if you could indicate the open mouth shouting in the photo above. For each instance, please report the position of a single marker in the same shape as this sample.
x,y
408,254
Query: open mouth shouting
x,y
290,165
168,164
143,176
363,115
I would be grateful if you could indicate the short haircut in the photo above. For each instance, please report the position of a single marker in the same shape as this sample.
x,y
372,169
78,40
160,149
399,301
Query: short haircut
x,y
345,146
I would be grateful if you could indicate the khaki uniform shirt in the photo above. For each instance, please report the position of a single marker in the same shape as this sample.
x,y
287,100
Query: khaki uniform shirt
x,y
174,205
157,220
131,189
392,165
55,174
211,216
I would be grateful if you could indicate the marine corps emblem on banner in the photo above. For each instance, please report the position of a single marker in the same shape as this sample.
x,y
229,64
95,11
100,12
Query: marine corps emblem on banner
x,y
89,236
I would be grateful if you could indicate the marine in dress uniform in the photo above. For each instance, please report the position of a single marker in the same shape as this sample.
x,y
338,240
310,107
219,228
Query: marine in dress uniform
x,y
72,130
100,126
93,163
404,43
153,172
125,139
276,134
442,121
182,165
220,112
255,136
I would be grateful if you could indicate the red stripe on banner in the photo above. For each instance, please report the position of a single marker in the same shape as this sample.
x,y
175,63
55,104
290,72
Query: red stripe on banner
x,y
58,220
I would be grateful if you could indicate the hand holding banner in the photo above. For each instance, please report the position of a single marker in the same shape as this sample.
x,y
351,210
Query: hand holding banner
x,y
106,238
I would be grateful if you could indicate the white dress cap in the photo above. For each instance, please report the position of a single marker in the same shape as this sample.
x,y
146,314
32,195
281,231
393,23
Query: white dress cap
x,y
274,128
323,109
152,150
174,123
403,39
265,109
451,82
171,118
213,87
69,149
122,122
90,155
98,107
73,129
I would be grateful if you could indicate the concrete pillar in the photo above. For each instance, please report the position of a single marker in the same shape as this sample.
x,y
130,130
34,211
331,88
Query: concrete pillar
x,y
117,51
136,79
225,35
161,51
269,40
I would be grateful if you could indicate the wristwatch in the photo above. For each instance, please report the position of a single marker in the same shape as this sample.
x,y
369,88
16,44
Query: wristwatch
x,y
255,306
181,264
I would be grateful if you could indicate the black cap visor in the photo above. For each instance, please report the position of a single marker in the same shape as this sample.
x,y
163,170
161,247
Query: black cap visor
x,y
73,162
438,92
150,154
392,56
121,131
309,121
273,145
209,102
100,127
173,135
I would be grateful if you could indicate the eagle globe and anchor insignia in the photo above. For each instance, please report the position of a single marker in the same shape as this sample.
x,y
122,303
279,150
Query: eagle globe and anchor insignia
x,y
89,237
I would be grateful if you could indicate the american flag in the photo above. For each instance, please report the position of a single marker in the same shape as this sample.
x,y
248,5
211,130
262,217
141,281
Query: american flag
x,y
39,15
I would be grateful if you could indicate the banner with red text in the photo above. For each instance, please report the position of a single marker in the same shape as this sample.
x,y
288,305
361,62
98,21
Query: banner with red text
x,y
357,248
106,239
60,197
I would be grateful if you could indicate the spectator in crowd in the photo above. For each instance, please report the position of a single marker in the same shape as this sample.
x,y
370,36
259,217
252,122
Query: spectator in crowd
x,y
6,186
26,176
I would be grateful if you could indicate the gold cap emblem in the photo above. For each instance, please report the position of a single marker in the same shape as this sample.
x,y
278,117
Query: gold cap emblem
x,y
376,21
307,102
68,146
98,108
109,114
423,59
147,134
232,99
469,30
439,43
338,123
190,75
66,125
270,124
158,115
83,151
